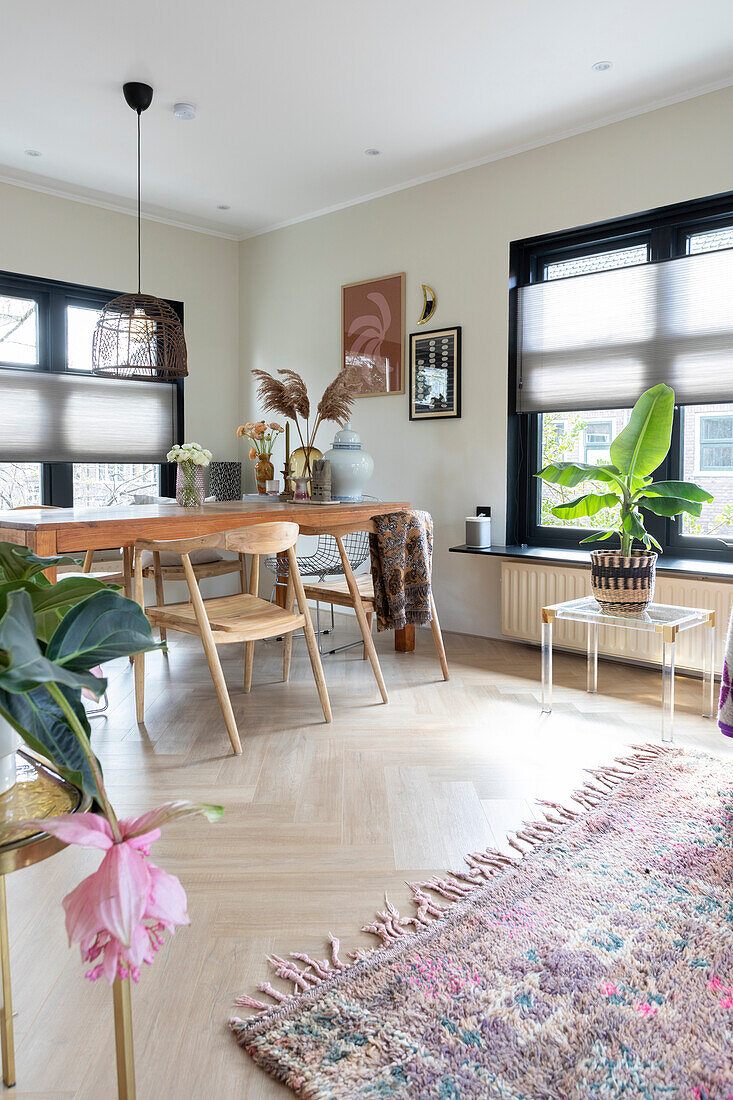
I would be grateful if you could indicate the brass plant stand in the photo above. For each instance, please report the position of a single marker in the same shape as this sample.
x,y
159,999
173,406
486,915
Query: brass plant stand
x,y
39,792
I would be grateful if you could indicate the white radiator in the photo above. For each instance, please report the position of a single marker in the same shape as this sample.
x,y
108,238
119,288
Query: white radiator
x,y
526,587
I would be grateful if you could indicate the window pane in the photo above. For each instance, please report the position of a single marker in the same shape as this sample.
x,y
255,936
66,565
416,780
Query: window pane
x,y
101,484
707,458
80,325
18,331
602,261
710,242
577,437
20,483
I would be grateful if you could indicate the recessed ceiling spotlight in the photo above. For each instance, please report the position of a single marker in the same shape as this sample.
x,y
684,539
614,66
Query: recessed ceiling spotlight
x,y
32,153
372,152
223,206
185,111
602,66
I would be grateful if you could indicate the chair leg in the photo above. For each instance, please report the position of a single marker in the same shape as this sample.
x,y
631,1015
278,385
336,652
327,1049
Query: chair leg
x,y
159,590
222,694
438,639
310,637
138,662
369,617
288,639
242,573
249,660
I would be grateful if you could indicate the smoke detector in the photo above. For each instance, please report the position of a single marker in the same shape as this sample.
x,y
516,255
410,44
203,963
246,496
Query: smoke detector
x,y
185,111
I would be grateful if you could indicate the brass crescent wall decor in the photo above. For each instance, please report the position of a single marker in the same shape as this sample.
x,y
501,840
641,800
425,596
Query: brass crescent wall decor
x,y
430,302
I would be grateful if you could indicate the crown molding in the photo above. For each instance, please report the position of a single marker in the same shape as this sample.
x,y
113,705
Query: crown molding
x,y
115,207
510,151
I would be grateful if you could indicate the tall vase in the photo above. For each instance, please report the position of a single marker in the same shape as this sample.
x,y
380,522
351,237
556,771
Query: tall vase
x,y
264,472
189,485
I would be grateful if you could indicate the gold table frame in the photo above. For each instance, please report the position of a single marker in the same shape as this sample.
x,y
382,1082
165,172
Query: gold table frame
x,y
39,792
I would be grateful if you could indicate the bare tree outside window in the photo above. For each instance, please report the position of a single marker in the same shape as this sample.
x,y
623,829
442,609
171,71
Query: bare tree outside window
x,y
20,483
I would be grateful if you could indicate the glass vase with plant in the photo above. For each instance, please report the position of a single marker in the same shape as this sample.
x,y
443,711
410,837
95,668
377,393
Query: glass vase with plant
x,y
262,438
624,579
53,638
190,458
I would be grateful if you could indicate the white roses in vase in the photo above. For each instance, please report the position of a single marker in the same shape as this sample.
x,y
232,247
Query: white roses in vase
x,y
191,458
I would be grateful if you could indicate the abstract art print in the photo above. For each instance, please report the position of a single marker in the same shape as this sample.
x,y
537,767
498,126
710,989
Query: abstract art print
x,y
435,374
373,334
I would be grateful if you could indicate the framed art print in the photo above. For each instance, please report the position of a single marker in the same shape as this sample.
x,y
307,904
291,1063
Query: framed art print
x,y
435,374
373,334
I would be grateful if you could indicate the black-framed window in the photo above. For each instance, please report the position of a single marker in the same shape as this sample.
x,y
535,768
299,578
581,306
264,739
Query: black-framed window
x,y
702,436
69,438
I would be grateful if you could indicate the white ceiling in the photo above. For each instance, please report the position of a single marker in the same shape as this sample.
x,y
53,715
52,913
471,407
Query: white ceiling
x,y
291,92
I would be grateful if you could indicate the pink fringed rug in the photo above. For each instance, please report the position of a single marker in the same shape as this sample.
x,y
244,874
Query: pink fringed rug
x,y
597,965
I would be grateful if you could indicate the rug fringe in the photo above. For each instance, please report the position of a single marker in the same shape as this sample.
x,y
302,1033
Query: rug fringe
x,y
390,926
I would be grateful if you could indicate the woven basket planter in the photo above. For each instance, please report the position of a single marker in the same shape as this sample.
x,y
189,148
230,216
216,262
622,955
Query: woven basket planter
x,y
621,583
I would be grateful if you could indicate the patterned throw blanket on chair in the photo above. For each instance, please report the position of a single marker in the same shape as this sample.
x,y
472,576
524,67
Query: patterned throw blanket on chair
x,y
725,709
402,558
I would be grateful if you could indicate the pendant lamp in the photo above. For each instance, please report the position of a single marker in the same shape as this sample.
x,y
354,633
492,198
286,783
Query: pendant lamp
x,y
137,335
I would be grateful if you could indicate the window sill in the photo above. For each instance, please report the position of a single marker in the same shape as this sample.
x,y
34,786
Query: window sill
x,y
667,563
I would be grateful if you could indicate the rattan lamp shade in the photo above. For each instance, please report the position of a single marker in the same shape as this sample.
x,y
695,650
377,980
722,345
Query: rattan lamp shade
x,y
139,336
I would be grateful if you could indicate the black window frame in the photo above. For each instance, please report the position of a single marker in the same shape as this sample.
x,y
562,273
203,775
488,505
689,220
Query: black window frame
x,y
53,296
665,230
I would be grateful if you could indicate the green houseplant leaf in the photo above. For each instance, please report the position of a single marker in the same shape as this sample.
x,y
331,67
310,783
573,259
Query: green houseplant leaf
x,y
102,627
41,723
22,664
669,506
19,562
587,505
642,445
685,490
571,474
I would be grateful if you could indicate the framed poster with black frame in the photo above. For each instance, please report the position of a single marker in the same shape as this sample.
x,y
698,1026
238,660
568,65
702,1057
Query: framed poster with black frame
x,y
435,374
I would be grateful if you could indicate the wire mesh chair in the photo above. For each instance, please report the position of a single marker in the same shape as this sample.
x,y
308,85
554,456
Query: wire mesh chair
x,y
325,561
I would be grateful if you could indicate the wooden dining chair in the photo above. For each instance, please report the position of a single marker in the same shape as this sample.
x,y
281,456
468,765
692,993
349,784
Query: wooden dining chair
x,y
358,594
162,566
243,617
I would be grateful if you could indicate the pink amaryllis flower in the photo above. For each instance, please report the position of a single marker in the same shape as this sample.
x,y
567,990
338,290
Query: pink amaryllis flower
x,y
119,913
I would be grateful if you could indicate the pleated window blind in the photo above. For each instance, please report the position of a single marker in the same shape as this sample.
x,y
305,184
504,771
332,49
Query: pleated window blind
x,y
598,341
57,417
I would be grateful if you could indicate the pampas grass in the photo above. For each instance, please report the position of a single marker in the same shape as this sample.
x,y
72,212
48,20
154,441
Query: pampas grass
x,y
289,398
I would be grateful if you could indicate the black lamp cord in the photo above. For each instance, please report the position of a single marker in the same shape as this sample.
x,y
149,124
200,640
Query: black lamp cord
x,y
139,112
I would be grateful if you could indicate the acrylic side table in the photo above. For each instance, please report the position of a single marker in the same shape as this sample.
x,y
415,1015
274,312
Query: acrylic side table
x,y
39,792
659,619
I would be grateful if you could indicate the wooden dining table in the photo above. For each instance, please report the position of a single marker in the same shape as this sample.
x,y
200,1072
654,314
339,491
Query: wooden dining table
x,y
50,531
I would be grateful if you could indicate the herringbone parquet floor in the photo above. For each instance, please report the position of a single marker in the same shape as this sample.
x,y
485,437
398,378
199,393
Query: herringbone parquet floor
x,y
320,821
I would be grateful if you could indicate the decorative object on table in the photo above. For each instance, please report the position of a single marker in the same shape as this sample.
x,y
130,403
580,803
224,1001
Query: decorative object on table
x,y
351,467
624,581
435,374
478,529
272,487
573,968
429,304
725,704
9,743
662,619
321,480
137,335
301,463
190,459
52,636
225,480
401,551
289,398
300,487
262,438
287,493
373,335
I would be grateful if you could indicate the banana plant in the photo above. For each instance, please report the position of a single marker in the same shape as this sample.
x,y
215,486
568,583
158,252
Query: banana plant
x,y
636,452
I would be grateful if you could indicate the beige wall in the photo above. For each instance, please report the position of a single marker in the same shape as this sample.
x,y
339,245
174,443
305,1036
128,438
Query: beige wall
x,y
60,239
454,234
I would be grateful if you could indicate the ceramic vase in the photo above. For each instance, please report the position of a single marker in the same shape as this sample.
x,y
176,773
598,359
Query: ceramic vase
x,y
264,472
351,467
189,485
623,584
9,743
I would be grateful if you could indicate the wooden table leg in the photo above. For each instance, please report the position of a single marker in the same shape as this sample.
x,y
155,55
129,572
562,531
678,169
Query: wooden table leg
x,y
404,639
281,584
123,1039
44,544
8,1047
